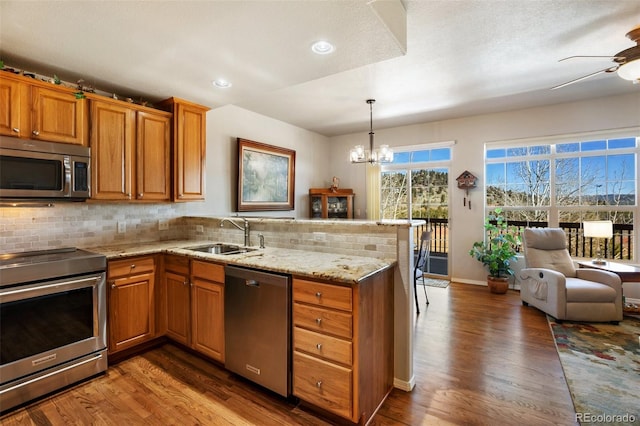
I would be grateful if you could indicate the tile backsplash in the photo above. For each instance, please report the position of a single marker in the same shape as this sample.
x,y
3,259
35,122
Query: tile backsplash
x,y
98,224
85,225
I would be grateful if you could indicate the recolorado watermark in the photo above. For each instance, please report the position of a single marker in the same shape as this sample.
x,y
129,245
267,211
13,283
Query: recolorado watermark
x,y
605,418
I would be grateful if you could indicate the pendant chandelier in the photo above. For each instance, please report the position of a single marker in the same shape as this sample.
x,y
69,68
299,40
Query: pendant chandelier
x,y
359,155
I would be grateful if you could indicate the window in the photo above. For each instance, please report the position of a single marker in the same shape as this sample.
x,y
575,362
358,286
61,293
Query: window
x,y
564,181
416,184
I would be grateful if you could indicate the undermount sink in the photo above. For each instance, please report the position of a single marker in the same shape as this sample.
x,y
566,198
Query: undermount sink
x,y
220,248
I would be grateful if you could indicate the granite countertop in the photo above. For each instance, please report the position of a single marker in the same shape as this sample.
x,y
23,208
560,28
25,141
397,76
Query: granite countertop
x,y
335,267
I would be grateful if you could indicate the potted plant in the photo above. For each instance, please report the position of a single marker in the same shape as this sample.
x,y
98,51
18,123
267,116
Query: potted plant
x,y
497,252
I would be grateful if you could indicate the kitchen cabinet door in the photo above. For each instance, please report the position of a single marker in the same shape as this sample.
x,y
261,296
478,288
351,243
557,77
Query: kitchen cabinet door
x,y
178,308
58,116
189,148
131,316
207,309
153,176
207,318
13,108
112,138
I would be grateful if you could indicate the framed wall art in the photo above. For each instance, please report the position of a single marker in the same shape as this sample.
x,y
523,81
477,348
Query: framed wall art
x,y
266,177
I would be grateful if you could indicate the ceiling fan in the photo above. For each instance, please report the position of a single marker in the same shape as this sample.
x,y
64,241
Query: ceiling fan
x,y
627,62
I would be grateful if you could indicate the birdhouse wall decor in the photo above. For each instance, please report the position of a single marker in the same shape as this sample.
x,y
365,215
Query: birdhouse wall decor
x,y
466,181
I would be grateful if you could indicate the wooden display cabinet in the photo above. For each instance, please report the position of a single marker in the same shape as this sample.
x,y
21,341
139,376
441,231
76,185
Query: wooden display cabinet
x,y
331,204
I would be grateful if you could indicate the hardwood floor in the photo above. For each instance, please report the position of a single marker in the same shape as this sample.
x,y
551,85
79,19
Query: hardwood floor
x,y
479,359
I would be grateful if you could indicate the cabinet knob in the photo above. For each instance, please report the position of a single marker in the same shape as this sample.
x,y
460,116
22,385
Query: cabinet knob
x,y
113,284
133,266
319,346
318,295
319,384
35,132
180,196
140,195
186,282
16,130
128,195
318,321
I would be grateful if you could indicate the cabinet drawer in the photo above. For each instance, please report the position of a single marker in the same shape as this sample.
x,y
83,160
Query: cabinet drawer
x,y
332,296
207,271
323,320
330,348
323,384
131,266
178,264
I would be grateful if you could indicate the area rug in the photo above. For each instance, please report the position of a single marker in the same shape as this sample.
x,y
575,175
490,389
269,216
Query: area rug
x,y
431,282
601,364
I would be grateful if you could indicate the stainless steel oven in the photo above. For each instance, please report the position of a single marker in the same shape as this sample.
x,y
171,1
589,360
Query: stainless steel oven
x,y
43,170
52,322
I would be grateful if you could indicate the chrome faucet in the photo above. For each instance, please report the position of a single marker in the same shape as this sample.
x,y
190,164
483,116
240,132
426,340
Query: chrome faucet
x,y
244,228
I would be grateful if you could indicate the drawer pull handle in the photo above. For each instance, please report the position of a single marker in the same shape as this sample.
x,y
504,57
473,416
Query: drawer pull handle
x,y
319,384
36,133
318,321
319,346
318,295
16,130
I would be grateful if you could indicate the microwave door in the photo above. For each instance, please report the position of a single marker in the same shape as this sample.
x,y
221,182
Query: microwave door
x,y
36,175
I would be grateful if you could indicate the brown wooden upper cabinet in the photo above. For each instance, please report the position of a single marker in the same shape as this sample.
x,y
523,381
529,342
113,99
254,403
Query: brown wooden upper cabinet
x,y
35,109
130,152
189,148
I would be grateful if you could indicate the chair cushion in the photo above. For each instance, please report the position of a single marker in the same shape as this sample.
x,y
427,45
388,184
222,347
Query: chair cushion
x,y
557,260
545,238
588,291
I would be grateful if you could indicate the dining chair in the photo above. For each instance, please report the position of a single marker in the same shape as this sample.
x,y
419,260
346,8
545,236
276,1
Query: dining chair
x,y
421,262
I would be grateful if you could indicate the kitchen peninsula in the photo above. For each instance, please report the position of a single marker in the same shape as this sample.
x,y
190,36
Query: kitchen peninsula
x,y
341,309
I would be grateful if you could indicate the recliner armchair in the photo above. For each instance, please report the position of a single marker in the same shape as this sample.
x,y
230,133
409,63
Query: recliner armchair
x,y
551,282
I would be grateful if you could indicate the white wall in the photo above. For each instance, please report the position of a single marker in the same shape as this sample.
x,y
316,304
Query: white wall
x,y
470,134
227,123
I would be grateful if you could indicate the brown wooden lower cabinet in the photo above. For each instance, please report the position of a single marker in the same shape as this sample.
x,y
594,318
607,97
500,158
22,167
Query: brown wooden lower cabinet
x,y
177,298
343,344
194,299
131,301
207,310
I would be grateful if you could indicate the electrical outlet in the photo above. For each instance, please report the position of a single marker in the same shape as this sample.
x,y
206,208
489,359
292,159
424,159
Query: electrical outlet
x,y
163,225
199,229
122,227
320,236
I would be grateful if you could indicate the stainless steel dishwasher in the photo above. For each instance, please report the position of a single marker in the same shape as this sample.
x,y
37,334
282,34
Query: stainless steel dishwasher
x,y
257,327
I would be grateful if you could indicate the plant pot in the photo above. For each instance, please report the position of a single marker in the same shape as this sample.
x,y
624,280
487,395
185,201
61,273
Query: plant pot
x,y
498,285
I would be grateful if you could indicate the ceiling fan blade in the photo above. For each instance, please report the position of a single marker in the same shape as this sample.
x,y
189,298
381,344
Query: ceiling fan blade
x,y
584,56
610,69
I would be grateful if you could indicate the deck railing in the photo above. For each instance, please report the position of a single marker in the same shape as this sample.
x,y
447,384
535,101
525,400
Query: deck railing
x,y
619,247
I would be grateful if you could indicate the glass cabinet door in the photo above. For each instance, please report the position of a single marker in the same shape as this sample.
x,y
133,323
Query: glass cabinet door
x,y
337,207
316,206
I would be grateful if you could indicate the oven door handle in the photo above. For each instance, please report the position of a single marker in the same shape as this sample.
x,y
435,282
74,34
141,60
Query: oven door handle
x,y
13,294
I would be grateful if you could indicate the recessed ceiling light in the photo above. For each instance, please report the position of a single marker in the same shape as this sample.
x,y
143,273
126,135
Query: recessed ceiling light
x,y
222,83
322,47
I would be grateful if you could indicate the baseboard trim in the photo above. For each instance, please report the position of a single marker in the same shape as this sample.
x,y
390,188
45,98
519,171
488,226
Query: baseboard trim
x,y
466,281
404,385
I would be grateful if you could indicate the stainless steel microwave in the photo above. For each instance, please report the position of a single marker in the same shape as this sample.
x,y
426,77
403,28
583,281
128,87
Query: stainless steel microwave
x,y
44,170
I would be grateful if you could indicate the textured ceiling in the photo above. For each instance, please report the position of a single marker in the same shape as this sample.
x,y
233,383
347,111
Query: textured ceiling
x,y
446,59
